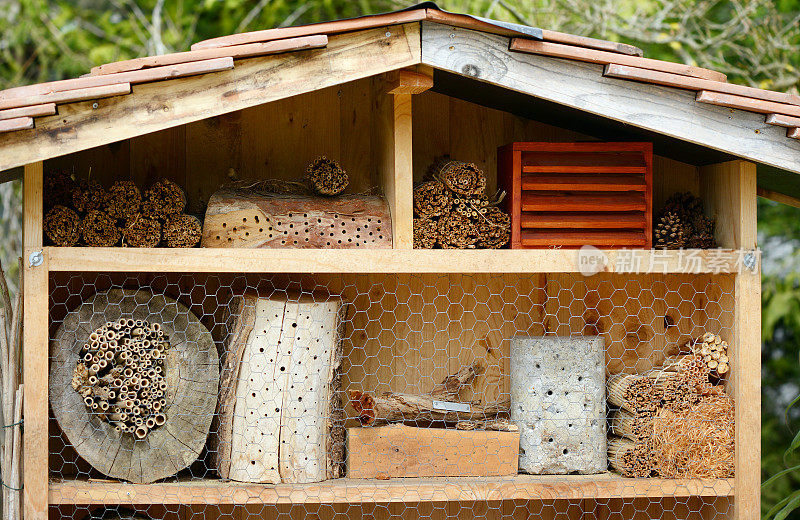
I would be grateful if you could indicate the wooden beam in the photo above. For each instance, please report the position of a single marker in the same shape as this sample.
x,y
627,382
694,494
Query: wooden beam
x,y
35,360
782,120
793,133
315,41
20,96
69,96
747,103
11,175
669,79
253,82
406,81
18,123
580,85
778,197
571,52
47,109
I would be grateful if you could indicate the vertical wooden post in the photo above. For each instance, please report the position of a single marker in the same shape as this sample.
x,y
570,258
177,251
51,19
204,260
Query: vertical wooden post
x,y
730,191
35,338
403,212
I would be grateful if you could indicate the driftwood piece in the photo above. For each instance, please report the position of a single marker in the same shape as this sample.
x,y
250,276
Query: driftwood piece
x,y
280,416
414,409
192,375
238,217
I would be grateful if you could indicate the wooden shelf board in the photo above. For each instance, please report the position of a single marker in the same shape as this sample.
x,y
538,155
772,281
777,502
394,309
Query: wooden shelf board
x,y
197,260
524,487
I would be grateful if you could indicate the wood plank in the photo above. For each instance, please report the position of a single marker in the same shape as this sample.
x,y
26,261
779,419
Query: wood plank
x,y
315,41
778,197
35,341
19,96
561,220
405,451
793,133
48,109
599,201
678,81
782,120
581,86
69,96
405,81
747,103
348,57
559,168
347,490
338,26
201,260
573,238
596,56
727,201
18,123
591,43
578,182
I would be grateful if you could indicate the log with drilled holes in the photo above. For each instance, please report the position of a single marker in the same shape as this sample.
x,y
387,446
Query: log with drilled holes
x,y
245,218
280,416
192,378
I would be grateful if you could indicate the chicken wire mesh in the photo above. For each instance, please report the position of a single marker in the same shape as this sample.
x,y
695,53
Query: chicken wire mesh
x,y
394,334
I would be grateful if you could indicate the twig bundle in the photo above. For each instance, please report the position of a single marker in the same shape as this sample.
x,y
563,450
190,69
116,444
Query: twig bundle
x,y
162,199
623,423
10,371
432,199
121,375
697,442
634,393
326,177
426,233
630,458
140,231
62,226
88,196
182,231
99,230
123,200
58,189
462,178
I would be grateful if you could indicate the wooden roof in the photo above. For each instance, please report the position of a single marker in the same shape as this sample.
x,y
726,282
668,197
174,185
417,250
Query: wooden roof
x,y
124,99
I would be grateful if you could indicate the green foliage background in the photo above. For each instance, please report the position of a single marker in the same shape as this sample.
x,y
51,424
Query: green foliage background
x,y
754,41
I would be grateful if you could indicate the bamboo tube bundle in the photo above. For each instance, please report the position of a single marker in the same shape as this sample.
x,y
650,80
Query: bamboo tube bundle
x,y
99,230
62,226
457,232
634,393
162,199
470,206
714,351
326,177
182,231
426,232
494,228
88,196
630,458
693,366
697,442
141,231
129,405
462,178
432,199
676,390
623,423
58,188
123,200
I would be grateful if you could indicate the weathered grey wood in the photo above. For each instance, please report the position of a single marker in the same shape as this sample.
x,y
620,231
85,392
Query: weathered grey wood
x,y
580,85
254,81
192,374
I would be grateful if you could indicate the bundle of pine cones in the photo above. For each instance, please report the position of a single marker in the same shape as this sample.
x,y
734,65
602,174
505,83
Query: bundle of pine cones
x,y
452,210
681,223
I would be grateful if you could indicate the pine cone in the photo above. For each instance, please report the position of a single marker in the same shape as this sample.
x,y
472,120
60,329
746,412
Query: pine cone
x,y
670,232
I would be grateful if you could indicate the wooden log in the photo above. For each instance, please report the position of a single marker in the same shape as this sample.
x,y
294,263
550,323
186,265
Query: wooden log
x,y
404,451
191,378
282,363
243,218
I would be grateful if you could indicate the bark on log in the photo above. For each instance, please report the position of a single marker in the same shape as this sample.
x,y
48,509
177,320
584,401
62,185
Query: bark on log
x,y
192,377
282,362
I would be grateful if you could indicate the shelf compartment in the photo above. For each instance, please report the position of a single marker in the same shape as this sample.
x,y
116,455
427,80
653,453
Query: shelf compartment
x,y
520,487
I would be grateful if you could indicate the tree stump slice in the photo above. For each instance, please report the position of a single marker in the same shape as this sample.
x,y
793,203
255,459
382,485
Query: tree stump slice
x,y
280,415
192,375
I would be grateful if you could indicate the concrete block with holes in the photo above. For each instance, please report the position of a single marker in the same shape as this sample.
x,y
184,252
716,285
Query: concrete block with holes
x,y
558,403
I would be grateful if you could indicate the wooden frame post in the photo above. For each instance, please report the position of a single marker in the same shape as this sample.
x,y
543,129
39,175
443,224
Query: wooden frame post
x,y
35,351
730,192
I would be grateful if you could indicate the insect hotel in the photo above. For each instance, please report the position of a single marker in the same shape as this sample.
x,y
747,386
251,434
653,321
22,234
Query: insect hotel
x,y
417,264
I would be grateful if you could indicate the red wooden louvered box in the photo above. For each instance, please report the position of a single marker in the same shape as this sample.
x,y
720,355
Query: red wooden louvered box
x,y
573,194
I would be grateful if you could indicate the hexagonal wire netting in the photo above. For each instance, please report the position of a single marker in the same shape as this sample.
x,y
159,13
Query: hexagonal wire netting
x,y
395,333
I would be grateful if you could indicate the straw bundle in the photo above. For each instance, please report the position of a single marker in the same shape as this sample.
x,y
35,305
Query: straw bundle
x,y
494,228
162,199
432,199
462,178
457,232
58,188
697,442
623,423
123,200
630,458
62,226
99,230
141,232
88,196
182,230
634,393
326,177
